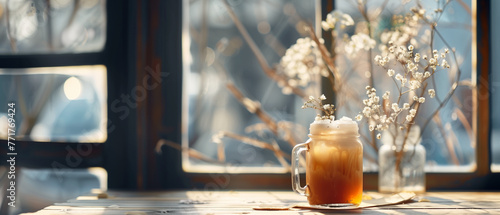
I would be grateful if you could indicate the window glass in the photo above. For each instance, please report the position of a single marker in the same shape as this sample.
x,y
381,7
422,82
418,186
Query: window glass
x,y
220,130
54,26
45,187
495,88
224,129
448,138
57,104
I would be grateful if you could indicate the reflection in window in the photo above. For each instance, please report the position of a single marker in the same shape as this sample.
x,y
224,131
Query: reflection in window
x,y
62,26
222,129
62,104
215,53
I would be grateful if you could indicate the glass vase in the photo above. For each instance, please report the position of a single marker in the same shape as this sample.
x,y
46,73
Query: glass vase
x,y
401,168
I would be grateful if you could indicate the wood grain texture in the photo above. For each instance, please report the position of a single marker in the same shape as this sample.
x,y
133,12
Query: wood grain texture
x,y
243,202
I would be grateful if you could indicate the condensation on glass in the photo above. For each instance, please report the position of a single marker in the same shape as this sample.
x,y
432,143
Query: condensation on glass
x,y
215,53
56,104
53,26
450,141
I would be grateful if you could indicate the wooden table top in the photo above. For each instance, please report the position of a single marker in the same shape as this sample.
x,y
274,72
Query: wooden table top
x,y
244,202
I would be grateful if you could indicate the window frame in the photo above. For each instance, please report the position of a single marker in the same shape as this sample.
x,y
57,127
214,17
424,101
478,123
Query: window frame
x,y
112,155
480,179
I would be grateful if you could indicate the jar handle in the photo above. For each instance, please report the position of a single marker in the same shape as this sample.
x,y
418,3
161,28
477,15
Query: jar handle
x,y
295,169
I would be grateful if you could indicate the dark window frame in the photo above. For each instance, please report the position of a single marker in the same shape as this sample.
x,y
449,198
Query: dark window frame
x,y
481,179
112,155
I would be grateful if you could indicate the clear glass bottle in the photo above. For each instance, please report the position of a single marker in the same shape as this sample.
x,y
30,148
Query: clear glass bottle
x,y
409,174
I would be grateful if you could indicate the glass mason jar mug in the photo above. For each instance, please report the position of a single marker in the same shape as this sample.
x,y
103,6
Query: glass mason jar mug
x,y
334,164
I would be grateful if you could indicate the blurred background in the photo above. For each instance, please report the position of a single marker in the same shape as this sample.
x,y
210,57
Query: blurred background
x,y
133,95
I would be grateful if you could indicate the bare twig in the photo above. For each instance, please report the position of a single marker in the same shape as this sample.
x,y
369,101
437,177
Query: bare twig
x,y
467,126
447,139
271,73
324,53
12,40
191,152
253,107
280,155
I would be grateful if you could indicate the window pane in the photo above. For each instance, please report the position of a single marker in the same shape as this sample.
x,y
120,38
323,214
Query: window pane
x,y
495,88
56,26
215,53
62,104
449,139
45,187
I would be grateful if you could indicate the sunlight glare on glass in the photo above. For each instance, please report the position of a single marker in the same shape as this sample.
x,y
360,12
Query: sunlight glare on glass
x,y
72,88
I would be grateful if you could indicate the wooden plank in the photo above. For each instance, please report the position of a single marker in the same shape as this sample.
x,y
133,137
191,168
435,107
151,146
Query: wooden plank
x,y
243,202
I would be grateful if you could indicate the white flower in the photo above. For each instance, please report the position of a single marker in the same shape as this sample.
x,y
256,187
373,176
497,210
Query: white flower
x,y
445,64
409,118
421,100
359,117
311,97
346,20
390,72
301,62
406,106
391,49
333,18
379,136
329,23
419,76
415,98
322,97
412,67
367,111
386,95
366,102
390,120
395,107
414,84
427,74
359,42
399,77
432,93
317,118
371,127
413,112
410,47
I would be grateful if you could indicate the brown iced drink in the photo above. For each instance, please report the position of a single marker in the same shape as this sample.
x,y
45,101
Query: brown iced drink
x,y
334,172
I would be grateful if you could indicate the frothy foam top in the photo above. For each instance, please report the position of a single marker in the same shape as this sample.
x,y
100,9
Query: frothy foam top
x,y
342,126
